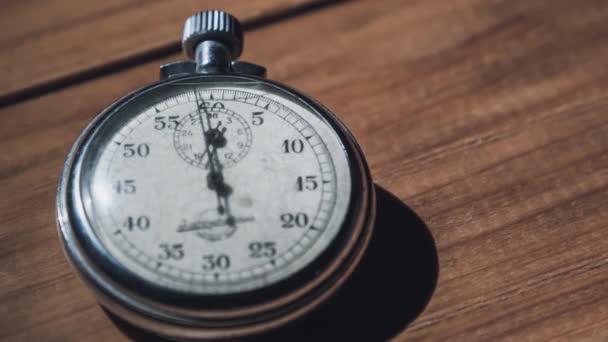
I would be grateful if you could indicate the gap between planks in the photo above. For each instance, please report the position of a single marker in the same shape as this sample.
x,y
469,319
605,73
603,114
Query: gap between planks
x,y
92,73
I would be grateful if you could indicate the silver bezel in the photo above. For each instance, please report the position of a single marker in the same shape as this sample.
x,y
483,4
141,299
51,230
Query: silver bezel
x,y
176,321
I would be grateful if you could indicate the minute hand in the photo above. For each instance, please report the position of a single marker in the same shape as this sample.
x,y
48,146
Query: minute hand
x,y
204,131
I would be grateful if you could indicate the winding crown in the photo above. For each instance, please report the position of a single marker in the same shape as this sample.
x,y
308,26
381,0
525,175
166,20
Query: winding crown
x,y
213,25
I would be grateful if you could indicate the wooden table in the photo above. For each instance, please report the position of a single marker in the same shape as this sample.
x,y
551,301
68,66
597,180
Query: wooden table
x,y
488,119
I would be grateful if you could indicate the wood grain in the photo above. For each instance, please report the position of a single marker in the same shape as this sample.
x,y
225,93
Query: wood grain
x,y
488,118
44,41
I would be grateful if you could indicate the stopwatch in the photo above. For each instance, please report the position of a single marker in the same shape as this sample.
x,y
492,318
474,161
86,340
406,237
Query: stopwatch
x,y
215,203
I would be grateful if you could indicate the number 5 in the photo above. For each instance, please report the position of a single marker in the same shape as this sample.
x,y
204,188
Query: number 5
x,y
257,119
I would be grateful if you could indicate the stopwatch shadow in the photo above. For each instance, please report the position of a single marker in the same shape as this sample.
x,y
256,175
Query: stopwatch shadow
x,y
389,289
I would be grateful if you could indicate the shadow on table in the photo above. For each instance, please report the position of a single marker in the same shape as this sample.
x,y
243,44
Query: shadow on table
x,y
388,290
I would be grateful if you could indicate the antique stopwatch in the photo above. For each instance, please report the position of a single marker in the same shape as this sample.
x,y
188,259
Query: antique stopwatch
x,y
215,203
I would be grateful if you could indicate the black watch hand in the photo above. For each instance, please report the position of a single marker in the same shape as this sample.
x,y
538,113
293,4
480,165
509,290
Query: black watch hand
x,y
213,139
215,180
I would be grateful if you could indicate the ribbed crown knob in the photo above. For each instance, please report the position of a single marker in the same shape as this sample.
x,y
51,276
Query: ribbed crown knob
x,y
213,25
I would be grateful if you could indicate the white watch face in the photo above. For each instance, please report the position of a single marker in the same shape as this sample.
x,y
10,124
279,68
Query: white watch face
x,y
215,187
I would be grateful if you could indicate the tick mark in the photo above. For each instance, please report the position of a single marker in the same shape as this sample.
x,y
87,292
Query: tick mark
x,y
216,275
314,228
156,109
117,232
211,96
117,143
272,262
266,106
308,138
326,182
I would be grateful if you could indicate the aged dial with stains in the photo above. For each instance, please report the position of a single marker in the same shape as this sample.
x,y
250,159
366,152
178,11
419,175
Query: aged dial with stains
x,y
219,189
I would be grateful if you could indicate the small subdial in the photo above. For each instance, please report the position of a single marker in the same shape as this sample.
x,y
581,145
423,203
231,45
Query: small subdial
x,y
225,131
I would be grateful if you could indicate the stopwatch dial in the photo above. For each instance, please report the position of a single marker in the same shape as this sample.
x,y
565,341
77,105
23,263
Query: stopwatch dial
x,y
215,187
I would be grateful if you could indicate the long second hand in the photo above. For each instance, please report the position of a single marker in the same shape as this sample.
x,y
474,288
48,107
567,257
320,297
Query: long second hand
x,y
213,158
207,148
222,189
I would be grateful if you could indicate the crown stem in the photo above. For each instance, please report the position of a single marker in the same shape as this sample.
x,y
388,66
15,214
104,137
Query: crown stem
x,y
212,57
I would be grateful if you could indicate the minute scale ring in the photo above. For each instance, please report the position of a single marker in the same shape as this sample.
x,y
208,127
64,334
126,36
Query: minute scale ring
x,y
274,265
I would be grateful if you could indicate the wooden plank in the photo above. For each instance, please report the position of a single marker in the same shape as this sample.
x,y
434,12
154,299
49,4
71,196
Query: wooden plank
x,y
485,117
46,41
